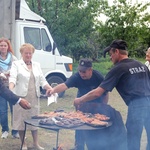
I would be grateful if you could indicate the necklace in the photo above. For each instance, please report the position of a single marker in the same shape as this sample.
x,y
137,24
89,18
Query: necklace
x,y
28,63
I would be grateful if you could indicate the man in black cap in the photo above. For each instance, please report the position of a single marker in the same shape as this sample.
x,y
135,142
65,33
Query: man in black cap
x,y
132,80
86,79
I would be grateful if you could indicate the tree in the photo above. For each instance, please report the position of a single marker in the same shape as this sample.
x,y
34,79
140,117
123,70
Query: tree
x,y
70,22
127,22
78,32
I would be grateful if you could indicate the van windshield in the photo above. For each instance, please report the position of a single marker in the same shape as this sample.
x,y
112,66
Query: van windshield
x,y
32,36
38,38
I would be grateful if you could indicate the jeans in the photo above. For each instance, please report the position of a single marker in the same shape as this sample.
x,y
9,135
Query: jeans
x,y
4,114
138,117
13,132
79,140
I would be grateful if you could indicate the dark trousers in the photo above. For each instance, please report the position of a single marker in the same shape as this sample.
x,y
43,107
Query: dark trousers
x,y
13,132
138,117
4,114
79,140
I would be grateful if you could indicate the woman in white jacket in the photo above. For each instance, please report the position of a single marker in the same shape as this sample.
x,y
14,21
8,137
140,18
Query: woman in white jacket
x,y
25,80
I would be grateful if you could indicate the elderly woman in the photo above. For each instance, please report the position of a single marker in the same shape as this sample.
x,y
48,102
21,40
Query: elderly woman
x,y
25,80
147,63
6,59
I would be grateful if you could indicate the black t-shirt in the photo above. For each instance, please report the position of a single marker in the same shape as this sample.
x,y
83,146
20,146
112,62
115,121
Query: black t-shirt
x,y
84,86
131,79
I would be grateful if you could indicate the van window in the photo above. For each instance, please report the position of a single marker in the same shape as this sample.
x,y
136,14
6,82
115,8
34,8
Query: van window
x,y
46,44
32,36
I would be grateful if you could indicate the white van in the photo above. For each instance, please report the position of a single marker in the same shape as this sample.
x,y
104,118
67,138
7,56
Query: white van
x,y
21,25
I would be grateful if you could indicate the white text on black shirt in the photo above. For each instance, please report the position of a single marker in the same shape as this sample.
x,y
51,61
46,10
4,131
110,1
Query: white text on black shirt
x,y
137,70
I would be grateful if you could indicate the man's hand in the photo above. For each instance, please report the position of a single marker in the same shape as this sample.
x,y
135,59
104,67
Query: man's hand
x,y
24,104
77,102
49,92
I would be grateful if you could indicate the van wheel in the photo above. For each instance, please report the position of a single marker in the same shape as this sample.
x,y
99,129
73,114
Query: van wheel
x,y
53,81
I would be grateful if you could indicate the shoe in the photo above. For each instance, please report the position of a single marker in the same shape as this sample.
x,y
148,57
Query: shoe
x,y
4,135
24,148
38,147
15,136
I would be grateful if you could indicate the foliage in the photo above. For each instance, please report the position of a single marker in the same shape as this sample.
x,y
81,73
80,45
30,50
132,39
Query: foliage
x,y
127,22
70,22
78,32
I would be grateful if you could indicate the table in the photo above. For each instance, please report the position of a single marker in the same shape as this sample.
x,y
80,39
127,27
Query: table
x,y
35,122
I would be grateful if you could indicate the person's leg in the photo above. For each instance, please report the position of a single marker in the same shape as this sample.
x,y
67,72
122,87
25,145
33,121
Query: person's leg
x,y
79,140
99,139
4,116
14,133
147,128
135,122
21,135
35,140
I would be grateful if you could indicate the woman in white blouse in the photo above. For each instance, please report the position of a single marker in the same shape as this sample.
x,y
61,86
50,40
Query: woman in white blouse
x,y
25,80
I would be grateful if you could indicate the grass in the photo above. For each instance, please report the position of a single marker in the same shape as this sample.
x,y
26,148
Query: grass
x,y
47,138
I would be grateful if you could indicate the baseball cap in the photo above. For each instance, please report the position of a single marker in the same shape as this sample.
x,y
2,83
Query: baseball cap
x,y
119,44
84,64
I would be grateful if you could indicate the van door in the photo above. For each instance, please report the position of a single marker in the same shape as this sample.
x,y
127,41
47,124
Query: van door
x,y
39,38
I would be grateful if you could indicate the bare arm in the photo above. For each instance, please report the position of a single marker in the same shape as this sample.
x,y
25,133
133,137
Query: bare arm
x,y
57,89
12,98
89,96
105,99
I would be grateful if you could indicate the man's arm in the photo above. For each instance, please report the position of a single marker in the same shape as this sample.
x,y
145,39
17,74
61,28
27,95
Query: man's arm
x,y
57,89
105,98
7,94
89,96
12,98
24,103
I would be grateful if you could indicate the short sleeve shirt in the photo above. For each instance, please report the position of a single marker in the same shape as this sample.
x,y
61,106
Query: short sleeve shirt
x,y
84,86
131,79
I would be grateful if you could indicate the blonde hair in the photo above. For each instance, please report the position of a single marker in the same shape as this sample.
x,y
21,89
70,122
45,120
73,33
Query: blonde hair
x,y
8,43
27,46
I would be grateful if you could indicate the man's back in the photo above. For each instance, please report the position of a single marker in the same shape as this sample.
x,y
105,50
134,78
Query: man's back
x,y
131,79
